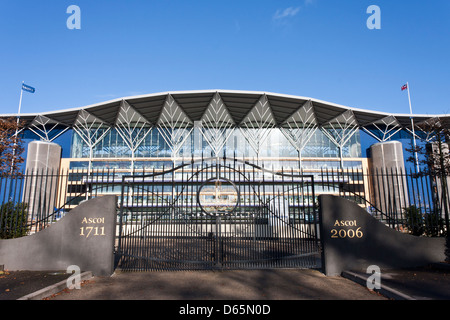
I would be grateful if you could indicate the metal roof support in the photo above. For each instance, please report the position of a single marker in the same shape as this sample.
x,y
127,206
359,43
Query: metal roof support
x,y
91,130
258,123
43,127
426,135
300,127
341,130
132,127
387,126
217,125
174,125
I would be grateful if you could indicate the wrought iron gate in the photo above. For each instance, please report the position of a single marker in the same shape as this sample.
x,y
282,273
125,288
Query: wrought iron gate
x,y
217,214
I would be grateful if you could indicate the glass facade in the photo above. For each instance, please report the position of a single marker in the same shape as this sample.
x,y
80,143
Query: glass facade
x,y
154,145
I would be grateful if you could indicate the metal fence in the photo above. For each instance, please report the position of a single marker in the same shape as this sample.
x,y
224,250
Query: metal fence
x,y
32,201
408,202
217,214
404,200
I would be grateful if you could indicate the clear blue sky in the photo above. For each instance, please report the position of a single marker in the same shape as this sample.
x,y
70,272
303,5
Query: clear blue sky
x,y
314,48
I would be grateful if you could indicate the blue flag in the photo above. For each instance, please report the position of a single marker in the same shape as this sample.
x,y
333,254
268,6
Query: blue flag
x,y
28,88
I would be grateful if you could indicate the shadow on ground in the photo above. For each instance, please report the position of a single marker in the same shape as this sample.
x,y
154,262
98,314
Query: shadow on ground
x,y
226,285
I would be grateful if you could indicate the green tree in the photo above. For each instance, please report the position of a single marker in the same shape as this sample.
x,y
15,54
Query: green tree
x,y
414,220
13,220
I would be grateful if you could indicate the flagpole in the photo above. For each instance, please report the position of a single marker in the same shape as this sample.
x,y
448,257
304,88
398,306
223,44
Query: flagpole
x,y
413,130
17,128
20,101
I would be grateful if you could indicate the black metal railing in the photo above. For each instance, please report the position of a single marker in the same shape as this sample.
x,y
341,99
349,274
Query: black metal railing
x,y
414,203
33,200
217,214
404,200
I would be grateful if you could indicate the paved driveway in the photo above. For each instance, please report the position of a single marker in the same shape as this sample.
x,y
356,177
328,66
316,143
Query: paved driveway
x,y
227,285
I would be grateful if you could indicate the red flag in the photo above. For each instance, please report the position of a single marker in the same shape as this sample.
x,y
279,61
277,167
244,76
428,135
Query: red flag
x,y
404,87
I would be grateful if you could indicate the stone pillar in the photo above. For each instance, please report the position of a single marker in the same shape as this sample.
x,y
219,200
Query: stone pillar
x,y
84,238
353,240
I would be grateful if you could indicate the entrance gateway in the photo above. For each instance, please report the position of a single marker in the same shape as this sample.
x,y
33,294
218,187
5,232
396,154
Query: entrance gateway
x,y
217,213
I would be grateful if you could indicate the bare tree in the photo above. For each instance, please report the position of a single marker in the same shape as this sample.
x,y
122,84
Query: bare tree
x,y
11,147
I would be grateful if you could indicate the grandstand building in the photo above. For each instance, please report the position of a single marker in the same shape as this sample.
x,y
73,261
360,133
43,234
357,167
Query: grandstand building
x,y
155,132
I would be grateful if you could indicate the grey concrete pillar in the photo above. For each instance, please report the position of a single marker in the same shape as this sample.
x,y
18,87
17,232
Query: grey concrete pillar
x,y
84,238
354,240
41,183
389,180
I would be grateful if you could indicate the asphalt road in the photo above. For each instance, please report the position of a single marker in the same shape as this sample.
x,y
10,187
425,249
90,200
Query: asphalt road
x,y
284,284
14,285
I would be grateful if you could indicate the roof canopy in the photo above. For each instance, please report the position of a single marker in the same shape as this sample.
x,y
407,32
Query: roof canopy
x,y
241,106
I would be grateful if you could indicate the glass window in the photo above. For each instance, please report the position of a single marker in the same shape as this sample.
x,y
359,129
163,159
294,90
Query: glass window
x,y
111,165
275,145
352,165
149,165
79,165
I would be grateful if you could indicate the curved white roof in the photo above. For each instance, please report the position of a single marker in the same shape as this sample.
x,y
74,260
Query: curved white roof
x,y
238,103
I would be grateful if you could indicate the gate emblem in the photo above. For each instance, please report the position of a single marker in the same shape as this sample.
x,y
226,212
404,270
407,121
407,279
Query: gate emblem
x,y
218,197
